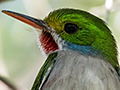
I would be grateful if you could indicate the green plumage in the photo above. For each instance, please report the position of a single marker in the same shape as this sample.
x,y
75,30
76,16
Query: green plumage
x,y
92,31
42,73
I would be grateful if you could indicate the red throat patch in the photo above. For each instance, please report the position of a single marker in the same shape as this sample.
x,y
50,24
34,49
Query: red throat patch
x,y
47,43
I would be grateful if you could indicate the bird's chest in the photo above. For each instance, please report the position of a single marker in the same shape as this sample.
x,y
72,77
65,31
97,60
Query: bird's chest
x,y
73,71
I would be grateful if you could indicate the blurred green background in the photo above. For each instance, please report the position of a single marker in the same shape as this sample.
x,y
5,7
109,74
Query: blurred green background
x,y
20,57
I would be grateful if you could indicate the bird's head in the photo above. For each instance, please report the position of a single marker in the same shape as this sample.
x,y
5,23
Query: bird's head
x,y
73,29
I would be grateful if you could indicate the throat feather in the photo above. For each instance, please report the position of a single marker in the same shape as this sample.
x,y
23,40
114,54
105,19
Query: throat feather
x,y
47,43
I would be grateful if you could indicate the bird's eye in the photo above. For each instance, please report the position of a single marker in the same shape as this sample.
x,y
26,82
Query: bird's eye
x,y
71,28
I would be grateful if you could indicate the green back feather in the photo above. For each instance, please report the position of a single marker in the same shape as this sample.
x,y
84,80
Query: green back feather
x,y
44,73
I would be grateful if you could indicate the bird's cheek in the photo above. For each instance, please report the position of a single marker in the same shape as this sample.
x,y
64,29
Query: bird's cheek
x,y
86,39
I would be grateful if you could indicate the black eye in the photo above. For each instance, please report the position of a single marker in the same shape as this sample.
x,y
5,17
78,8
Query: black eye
x,y
71,28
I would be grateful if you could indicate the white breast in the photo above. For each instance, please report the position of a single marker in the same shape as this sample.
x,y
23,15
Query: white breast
x,y
73,71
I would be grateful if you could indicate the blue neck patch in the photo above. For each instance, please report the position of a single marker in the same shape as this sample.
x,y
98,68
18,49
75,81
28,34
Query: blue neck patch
x,y
85,50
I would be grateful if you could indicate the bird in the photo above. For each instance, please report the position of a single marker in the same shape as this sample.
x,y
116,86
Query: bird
x,y
80,49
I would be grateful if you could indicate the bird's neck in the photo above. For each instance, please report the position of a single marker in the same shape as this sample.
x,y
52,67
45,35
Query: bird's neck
x,y
97,49
85,50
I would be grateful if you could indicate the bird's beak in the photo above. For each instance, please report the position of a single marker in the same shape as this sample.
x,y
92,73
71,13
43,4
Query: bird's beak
x,y
36,23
